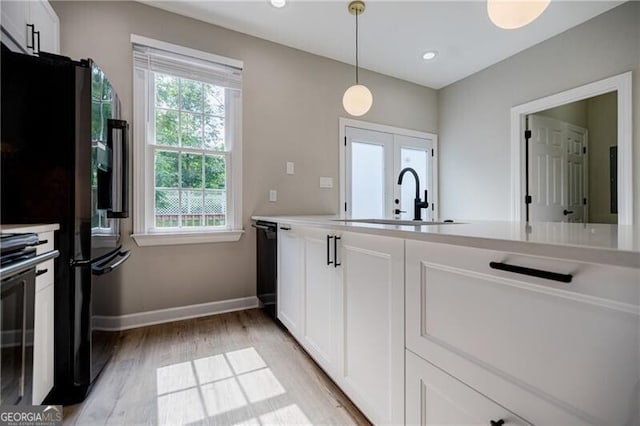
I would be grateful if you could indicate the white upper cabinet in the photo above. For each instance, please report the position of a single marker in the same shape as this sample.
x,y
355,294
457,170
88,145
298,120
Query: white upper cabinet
x,y
30,26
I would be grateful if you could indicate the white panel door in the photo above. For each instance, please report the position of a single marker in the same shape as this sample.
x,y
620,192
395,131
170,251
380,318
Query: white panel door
x,y
577,167
417,154
321,310
369,157
290,278
547,169
436,398
372,332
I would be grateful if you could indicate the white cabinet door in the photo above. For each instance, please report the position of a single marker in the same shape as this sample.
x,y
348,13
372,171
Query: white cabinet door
x,y
436,398
321,310
372,324
14,20
290,278
43,344
46,22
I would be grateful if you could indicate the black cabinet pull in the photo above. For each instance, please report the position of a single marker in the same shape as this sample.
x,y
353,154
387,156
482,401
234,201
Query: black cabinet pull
x,y
285,228
41,272
567,212
554,276
37,52
33,37
39,243
329,261
398,211
335,251
497,422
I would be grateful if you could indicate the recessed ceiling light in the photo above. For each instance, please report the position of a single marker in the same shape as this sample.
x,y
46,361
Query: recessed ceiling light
x,y
278,3
429,55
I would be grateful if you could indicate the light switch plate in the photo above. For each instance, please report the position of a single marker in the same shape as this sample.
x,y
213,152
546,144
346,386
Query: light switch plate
x,y
273,196
326,182
290,168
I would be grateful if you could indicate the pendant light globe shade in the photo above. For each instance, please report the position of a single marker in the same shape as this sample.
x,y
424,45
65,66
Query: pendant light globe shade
x,y
357,100
512,14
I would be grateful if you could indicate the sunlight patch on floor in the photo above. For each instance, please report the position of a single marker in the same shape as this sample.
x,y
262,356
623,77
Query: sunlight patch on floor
x,y
206,387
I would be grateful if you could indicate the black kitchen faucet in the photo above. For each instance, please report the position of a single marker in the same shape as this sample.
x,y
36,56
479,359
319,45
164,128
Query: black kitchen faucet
x,y
418,204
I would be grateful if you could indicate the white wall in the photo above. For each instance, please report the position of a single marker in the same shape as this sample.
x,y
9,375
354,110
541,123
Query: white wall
x,y
291,104
475,112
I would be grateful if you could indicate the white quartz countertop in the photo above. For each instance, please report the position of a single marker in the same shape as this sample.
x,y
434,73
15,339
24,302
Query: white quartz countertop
x,y
36,227
617,245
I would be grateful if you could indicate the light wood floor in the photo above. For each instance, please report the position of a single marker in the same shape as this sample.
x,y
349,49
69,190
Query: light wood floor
x,y
236,368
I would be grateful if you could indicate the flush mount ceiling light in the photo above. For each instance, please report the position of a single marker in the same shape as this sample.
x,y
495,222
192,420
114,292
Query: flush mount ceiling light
x,y
512,14
428,56
357,99
278,3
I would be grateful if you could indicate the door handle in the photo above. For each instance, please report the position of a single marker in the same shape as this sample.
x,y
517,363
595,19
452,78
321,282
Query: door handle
x,y
120,168
329,261
37,52
567,212
33,37
335,251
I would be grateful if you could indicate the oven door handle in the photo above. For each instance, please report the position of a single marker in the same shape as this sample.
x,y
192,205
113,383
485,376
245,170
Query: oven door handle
x,y
106,267
16,268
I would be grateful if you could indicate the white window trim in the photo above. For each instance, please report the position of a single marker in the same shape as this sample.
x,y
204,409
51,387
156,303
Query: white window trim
x,y
143,167
343,123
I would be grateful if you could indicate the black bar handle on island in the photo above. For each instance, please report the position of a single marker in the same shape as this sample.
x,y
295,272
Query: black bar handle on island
x,y
329,261
335,251
554,276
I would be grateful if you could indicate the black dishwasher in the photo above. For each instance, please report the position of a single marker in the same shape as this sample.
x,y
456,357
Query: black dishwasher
x,y
267,259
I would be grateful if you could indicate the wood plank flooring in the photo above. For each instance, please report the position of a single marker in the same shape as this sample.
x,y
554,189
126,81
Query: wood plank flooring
x,y
235,368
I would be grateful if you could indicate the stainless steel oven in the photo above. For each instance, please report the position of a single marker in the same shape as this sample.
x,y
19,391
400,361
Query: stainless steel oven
x,y
17,303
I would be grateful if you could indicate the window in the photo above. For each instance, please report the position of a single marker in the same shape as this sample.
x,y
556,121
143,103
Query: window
x,y
372,158
187,145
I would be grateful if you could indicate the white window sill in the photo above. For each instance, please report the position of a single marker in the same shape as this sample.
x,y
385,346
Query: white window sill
x,y
174,239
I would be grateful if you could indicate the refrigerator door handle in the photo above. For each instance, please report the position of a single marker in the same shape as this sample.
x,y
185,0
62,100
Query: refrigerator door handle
x,y
118,131
106,267
97,261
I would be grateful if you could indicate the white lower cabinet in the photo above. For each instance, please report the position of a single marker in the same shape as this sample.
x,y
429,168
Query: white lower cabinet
x,y
554,353
43,344
43,355
436,398
372,325
321,310
341,296
290,278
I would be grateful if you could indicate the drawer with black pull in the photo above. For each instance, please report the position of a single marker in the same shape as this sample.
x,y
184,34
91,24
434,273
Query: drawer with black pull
x,y
554,340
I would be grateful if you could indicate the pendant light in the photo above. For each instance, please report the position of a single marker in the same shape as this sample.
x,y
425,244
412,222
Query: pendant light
x,y
512,14
357,99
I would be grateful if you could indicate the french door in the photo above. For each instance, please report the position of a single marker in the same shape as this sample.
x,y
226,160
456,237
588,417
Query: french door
x,y
373,161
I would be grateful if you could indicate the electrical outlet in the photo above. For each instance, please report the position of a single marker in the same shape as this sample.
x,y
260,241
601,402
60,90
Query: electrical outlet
x,y
290,168
326,182
273,196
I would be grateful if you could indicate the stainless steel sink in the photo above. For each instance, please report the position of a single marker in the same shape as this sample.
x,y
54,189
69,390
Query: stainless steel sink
x,y
395,222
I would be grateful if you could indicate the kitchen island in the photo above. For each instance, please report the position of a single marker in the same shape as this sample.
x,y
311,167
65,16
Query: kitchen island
x,y
477,322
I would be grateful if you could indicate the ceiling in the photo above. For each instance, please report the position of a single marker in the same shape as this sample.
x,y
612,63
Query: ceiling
x,y
393,34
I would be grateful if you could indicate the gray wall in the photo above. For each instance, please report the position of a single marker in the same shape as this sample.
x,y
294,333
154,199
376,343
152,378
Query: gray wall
x,y
574,113
475,112
602,119
291,104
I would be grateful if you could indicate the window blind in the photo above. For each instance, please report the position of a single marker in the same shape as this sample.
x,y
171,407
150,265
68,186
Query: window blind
x,y
189,67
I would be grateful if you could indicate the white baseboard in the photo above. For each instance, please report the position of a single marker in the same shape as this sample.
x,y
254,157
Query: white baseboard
x,y
142,319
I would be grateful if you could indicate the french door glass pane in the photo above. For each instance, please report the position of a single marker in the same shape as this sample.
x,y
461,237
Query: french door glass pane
x,y
416,159
367,180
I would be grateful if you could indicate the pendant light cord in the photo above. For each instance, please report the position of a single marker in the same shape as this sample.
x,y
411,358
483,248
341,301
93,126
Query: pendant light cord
x,y
357,13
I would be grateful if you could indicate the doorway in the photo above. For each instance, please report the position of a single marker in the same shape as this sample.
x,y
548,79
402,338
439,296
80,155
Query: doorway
x,y
371,158
575,170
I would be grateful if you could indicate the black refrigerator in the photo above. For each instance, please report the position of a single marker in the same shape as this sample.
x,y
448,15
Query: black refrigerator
x,y
64,154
